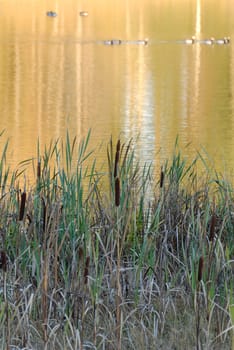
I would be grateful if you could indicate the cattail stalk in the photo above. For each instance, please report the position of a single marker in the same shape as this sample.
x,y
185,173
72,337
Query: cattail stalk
x,y
199,277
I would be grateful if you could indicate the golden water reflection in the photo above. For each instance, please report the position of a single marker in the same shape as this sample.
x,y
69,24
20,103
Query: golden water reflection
x,y
56,74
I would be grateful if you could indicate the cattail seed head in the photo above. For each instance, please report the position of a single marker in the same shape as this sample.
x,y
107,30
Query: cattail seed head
x,y
117,192
22,206
86,270
38,170
3,260
212,227
200,268
116,159
162,178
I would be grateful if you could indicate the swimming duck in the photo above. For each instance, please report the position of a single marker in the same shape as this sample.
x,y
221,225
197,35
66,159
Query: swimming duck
x,y
190,40
107,42
209,41
143,42
51,13
227,39
112,42
116,42
84,13
221,41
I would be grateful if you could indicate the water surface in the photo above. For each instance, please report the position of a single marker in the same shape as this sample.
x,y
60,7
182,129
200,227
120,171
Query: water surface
x,y
56,74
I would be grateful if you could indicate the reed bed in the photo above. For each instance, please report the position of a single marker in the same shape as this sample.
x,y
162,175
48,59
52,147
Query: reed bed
x,y
114,259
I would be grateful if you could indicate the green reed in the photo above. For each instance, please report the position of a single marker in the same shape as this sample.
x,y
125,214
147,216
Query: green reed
x,y
115,258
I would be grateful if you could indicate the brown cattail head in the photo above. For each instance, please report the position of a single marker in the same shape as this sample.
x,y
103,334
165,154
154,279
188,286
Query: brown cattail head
x,y
86,270
3,260
117,159
162,178
22,206
200,268
212,227
117,192
38,170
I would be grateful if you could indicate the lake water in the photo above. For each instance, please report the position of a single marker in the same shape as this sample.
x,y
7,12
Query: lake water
x,y
57,74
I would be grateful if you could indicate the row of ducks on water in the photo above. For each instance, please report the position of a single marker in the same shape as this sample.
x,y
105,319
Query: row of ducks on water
x,y
54,14
210,41
222,41
119,42
193,40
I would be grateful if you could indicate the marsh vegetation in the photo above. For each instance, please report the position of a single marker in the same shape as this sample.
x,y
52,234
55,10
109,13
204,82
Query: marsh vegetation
x,y
115,258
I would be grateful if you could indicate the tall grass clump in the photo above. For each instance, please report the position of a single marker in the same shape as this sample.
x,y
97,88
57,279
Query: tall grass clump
x,y
116,257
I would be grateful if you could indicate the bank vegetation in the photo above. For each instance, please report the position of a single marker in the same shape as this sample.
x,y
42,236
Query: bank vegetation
x,y
117,257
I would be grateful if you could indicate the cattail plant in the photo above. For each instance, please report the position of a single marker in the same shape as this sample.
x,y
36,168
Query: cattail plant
x,y
114,270
118,274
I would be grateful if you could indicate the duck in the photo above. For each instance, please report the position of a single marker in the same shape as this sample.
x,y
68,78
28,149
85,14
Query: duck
x,y
227,39
220,41
51,13
107,42
112,42
209,41
116,42
84,13
143,42
190,41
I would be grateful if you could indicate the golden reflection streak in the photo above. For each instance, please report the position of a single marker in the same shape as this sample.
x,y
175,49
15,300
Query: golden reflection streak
x,y
190,88
138,119
197,53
